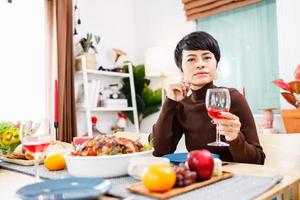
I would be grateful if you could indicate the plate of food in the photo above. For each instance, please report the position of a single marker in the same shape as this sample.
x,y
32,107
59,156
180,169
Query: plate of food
x,y
105,156
20,156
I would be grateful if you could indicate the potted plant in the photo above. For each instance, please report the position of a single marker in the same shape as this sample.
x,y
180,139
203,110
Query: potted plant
x,y
291,117
89,50
147,100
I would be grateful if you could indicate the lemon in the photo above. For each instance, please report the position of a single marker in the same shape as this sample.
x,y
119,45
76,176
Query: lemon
x,y
55,162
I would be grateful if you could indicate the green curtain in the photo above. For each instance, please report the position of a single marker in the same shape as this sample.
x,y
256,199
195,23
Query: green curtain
x,y
248,41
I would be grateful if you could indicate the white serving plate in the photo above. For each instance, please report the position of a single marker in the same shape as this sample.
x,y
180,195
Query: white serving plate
x,y
101,166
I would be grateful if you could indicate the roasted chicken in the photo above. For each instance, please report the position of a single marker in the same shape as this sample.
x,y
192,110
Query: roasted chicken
x,y
108,145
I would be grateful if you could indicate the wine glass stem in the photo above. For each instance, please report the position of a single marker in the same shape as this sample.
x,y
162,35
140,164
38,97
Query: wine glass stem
x,y
218,139
36,165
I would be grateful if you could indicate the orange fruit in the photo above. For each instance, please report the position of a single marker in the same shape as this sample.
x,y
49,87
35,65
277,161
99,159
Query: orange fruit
x,y
159,178
55,162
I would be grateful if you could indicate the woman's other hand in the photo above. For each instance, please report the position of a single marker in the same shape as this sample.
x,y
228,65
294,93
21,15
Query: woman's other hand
x,y
230,126
177,91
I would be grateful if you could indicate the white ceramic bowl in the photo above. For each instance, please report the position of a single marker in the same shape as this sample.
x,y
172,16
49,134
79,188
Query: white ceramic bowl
x,y
101,166
106,166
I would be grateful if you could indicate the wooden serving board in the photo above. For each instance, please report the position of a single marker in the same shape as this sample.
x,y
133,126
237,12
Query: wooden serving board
x,y
19,161
141,189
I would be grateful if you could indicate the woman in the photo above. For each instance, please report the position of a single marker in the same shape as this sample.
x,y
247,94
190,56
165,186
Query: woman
x,y
197,56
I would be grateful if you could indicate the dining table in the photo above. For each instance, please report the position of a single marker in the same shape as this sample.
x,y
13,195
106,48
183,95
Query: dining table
x,y
282,158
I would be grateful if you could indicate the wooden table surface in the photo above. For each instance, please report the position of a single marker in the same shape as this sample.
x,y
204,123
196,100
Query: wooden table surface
x,y
282,158
282,150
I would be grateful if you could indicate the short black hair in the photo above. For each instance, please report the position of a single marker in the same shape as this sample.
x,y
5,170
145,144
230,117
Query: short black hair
x,y
198,40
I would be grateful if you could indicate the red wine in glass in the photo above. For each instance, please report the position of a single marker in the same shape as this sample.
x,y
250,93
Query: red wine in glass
x,y
36,144
215,113
36,147
217,100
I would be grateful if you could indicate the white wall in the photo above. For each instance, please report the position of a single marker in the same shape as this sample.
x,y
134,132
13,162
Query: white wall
x,y
158,23
133,25
112,20
22,81
288,23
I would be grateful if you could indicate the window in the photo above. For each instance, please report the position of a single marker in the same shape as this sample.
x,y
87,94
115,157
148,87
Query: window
x,y
248,41
22,60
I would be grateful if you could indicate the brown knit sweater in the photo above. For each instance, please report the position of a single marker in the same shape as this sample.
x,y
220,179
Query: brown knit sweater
x,y
189,117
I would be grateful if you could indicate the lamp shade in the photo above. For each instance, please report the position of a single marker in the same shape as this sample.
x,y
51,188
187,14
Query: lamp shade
x,y
159,61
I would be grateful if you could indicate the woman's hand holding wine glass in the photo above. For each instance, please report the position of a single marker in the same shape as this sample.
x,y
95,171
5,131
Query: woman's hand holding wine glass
x,y
229,126
218,104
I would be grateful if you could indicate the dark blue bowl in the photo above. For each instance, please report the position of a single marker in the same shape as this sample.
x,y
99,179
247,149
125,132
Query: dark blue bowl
x,y
181,157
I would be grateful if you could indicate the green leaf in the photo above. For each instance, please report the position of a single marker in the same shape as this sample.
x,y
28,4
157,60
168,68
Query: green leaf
x,y
147,81
147,147
147,100
6,125
150,97
140,104
130,116
150,110
97,39
139,78
87,42
89,37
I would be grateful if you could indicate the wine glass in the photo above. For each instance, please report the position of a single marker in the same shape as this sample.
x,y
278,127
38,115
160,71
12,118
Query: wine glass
x,y
217,100
36,142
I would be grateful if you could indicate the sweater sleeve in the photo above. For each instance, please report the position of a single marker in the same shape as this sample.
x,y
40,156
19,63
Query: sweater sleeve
x,y
167,132
246,147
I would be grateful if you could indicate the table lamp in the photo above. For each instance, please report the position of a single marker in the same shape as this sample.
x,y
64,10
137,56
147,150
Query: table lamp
x,y
159,62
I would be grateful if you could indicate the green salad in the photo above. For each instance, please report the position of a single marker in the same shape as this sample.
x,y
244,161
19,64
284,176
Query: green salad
x,y
9,137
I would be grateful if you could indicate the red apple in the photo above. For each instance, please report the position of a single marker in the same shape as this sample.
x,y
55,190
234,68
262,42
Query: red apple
x,y
202,162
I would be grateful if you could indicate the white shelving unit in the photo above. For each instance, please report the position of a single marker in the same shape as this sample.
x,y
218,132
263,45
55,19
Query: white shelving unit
x,y
95,74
